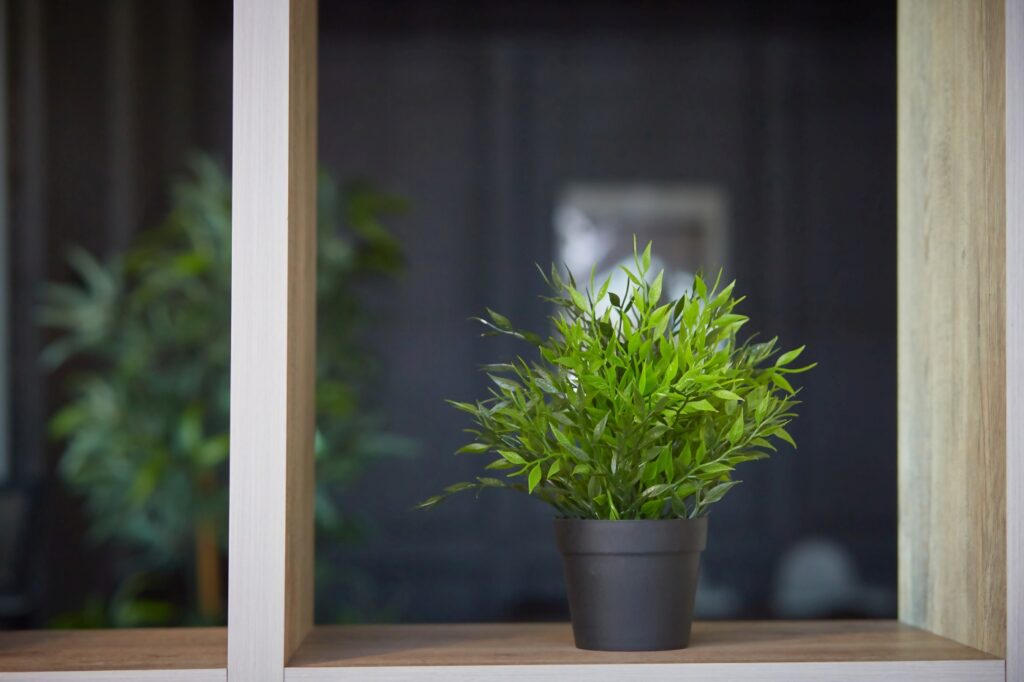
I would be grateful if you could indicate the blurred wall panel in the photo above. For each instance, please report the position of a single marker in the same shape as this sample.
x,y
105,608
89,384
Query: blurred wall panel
x,y
101,117
483,118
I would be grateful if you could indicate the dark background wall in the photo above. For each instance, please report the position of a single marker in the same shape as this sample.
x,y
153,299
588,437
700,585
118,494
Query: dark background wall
x,y
480,115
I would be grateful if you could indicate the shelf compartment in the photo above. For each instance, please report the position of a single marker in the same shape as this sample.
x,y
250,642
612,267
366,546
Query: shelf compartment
x,y
756,650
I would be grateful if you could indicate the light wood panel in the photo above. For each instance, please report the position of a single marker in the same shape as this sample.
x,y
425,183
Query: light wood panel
x,y
719,651
149,654
952,311
273,328
1015,338
302,172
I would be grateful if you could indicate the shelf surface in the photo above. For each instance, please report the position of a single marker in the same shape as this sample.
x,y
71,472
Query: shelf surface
x,y
199,650
551,644
764,650
733,651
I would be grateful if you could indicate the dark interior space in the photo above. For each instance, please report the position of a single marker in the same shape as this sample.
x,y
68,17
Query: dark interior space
x,y
482,117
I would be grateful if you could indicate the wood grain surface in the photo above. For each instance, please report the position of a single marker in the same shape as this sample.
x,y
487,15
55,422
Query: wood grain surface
x,y
551,643
951,327
302,183
36,651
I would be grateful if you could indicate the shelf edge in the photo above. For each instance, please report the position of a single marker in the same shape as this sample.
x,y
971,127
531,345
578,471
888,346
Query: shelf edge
x,y
992,670
178,675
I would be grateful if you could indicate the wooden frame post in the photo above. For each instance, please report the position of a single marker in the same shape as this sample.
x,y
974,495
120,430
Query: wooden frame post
x,y
273,328
961,322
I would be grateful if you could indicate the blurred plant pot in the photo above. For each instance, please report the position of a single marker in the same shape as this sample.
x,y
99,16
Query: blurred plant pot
x,y
631,584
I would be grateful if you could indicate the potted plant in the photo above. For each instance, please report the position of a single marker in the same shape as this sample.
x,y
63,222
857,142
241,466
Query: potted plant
x,y
631,423
144,415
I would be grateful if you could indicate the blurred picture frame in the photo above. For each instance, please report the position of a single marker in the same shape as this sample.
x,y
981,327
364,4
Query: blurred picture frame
x,y
595,222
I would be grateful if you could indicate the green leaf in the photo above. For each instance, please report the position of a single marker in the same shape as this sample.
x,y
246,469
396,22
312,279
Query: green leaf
x,y
473,448
781,382
465,407
671,371
505,384
700,287
726,394
784,435
686,456
736,431
655,293
665,462
212,452
699,406
561,437
512,457
599,429
579,300
652,509
535,475
716,493
690,312
500,320
789,357
650,473
646,258
658,490
555,467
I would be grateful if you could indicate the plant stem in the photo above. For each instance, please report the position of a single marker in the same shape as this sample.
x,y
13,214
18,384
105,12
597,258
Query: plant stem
x,y
208,578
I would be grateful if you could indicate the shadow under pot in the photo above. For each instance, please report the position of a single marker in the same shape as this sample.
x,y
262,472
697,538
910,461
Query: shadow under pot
x,y
631,584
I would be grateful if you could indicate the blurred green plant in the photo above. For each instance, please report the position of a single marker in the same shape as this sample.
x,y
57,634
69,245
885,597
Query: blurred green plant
x,y
145,423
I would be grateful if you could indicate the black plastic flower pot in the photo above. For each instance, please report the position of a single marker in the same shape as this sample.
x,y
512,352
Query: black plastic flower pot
x,y
631,584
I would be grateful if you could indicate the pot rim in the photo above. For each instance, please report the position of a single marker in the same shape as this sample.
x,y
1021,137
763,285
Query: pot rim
x,y
631,536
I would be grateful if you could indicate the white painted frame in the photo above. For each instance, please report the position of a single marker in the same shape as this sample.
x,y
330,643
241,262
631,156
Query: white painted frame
x,y
191,675
926,671
1014,340
273,327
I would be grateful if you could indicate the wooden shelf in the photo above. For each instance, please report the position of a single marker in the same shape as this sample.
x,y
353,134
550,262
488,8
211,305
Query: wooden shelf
x,y
763,651
180,654
791,651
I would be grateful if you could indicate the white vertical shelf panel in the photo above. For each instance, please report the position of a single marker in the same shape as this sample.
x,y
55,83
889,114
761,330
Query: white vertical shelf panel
x,y
272,335
1015,339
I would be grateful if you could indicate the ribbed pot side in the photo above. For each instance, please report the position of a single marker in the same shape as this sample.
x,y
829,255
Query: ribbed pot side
x,y
631,584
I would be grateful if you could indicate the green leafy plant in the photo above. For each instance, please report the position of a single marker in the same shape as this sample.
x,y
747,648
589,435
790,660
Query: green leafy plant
x,y
635,409
145,420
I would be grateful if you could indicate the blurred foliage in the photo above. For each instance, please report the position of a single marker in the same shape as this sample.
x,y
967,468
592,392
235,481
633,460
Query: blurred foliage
x,y
145,423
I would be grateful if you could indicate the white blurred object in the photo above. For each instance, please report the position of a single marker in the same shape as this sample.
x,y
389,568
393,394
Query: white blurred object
x,y
595,224
818,578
